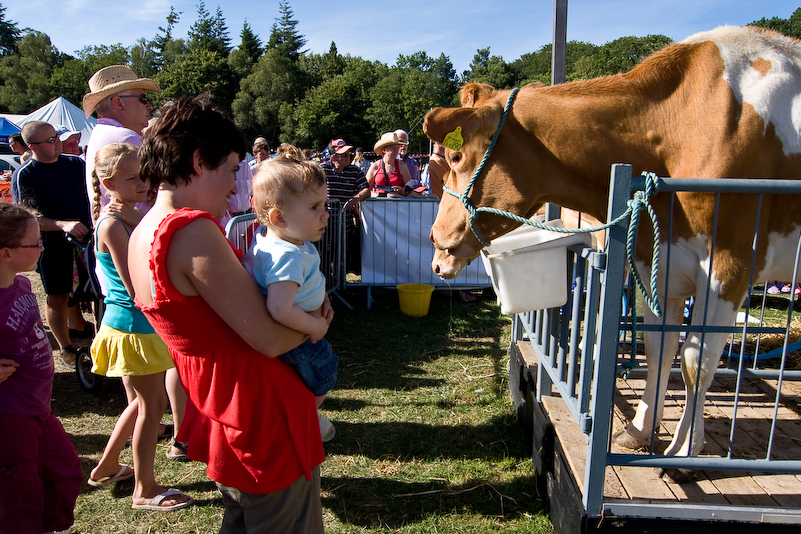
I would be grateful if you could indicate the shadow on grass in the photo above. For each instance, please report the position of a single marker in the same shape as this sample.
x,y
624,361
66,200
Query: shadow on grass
x,y
500,438
391,504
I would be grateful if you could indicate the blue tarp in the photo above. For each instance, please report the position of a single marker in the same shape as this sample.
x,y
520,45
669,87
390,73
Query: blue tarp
x,y
7,128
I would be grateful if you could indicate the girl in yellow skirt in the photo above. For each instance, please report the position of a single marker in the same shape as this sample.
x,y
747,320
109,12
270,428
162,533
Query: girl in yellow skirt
x,y
126,344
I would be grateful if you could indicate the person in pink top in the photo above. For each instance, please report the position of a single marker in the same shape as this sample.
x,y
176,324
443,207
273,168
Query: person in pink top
x,y
249,415
40,472
119,98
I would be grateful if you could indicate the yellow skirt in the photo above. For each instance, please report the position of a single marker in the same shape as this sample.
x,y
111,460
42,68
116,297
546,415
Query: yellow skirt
x,y
117,353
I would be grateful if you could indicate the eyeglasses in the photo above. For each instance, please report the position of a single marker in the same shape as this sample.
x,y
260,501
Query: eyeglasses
x,y
142,98
38,244
49,140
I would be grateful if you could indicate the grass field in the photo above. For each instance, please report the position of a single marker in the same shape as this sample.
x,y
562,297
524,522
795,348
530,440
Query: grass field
x,y
426,440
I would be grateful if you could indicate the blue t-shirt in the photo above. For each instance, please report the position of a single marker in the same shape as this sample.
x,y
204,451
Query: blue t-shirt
x,y
271,260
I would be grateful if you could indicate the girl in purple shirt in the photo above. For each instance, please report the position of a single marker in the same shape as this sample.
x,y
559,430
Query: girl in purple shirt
x,y
40,473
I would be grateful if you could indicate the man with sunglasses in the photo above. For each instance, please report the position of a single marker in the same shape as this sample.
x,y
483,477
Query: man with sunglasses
x,y
119,98
53,184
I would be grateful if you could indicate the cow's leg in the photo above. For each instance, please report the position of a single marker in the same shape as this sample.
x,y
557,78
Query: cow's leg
x,y
660,352
698,366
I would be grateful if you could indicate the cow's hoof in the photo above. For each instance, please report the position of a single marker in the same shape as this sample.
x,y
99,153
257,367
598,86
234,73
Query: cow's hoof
x,y
678,476
624,440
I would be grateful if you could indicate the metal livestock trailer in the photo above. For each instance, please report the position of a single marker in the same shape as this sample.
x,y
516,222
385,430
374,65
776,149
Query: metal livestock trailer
x,y
576,375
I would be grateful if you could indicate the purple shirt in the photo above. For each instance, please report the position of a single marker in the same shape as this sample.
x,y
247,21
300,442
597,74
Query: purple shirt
x,y
23,339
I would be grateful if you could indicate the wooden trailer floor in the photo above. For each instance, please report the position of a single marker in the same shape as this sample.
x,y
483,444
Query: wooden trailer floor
x,y
754,416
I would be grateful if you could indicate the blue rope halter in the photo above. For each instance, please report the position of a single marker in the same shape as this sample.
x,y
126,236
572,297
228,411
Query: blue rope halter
x,y
464,198
635,206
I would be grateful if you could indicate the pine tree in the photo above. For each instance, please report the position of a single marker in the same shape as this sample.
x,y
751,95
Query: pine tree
x,y
251,44
162,43
209,33
9,34
284,36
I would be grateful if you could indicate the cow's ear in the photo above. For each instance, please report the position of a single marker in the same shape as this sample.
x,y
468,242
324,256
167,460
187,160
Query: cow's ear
x,y
473,92
455,127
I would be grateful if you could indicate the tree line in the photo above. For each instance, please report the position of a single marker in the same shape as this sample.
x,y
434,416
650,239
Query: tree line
x,y
287,94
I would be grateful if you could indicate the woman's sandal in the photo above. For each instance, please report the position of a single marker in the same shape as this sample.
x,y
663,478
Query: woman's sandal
x,y
181,457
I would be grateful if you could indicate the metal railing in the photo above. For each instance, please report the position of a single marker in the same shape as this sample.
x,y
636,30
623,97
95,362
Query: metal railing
x,y
579,344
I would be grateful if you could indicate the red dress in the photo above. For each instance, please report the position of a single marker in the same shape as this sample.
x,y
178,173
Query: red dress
x,y
249,417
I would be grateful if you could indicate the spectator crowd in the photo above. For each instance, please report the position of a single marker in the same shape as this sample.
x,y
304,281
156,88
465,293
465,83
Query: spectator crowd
x,y
148,192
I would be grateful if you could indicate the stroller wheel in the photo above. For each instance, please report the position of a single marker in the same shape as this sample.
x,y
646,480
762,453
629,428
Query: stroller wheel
x,y
83,367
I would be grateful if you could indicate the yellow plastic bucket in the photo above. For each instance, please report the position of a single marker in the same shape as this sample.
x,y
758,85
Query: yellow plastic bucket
x,y
415,299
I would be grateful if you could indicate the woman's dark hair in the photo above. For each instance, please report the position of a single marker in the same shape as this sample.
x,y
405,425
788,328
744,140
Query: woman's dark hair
x,y
13,223
183,126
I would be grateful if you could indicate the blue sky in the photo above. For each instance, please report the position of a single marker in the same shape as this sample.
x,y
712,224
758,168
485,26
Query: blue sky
x,y
377,31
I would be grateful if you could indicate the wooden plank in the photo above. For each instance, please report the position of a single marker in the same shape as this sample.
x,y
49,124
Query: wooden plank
x,y
574,443
699,491
529,356
569,435
784,489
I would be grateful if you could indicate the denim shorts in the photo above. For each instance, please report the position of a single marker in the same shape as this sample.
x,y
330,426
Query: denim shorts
x,y
315,363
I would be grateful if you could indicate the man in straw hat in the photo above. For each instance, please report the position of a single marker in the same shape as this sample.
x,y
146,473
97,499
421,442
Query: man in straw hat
x,y
119,98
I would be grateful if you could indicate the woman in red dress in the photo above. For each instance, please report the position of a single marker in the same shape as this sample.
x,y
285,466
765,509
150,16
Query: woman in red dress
x,y
249,416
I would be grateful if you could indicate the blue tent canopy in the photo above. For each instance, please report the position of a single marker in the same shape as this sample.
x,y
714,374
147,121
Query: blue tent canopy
x,y
7,128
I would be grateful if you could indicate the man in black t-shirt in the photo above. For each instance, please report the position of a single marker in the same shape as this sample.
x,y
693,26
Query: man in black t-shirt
x,y
53,184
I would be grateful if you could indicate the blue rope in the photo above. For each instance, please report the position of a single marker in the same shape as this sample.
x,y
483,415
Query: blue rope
x,y
464,196
635,206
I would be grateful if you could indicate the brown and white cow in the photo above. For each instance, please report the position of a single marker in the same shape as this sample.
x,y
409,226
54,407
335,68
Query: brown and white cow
x,y
723,103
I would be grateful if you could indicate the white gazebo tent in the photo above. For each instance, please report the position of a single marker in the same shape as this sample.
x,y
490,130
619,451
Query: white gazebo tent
x,y
62,112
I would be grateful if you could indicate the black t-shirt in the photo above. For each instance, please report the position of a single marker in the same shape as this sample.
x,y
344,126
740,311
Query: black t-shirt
x,y
57,190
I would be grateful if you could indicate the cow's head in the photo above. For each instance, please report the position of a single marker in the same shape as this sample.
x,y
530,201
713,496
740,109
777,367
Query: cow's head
x,y
466,132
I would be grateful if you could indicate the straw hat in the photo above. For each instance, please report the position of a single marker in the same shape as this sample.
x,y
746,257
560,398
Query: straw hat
x,y
111,80
388,139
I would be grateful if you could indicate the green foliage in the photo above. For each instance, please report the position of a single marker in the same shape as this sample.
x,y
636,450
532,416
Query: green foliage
x,y
491,70
401,98
622,55
791,26
25,75
162,43
196,72
144,59
9,34
250,43
284,35
70,80
274,80
209,33
335,108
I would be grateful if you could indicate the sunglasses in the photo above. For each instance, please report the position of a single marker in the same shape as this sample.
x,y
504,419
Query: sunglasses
x,y
49,140
142,98
38,244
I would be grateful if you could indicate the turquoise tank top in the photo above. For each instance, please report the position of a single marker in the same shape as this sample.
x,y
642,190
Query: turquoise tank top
x,y
120,312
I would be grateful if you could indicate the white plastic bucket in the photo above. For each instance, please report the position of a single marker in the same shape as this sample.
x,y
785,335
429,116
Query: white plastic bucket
x,y
528,267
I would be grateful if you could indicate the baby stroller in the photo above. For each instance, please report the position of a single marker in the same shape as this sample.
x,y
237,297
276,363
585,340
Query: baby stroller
x,y
89,296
